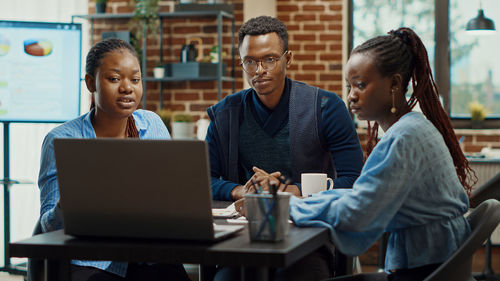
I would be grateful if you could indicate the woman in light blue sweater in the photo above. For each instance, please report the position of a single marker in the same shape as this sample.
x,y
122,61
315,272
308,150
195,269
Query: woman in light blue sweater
x,y
415,181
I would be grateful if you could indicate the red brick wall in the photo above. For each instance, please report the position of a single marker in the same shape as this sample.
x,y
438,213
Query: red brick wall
x,y
474,140
187,97
315,28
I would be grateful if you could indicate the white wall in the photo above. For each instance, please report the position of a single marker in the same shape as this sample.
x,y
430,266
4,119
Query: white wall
x,y
255,8
26,139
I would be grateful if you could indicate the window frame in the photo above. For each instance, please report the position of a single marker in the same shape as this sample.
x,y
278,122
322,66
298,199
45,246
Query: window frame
x,y
441,62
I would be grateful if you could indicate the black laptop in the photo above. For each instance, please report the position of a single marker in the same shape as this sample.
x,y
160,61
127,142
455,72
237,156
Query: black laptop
x,y
137,188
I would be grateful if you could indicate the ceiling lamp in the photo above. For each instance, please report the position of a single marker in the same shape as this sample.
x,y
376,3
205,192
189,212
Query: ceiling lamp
x,y
480,24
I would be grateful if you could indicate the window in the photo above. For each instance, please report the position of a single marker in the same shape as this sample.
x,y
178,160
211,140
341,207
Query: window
x,y
376,17
474,60
472,72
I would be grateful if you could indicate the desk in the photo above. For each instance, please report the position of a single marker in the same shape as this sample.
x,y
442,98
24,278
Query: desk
x,y
255,258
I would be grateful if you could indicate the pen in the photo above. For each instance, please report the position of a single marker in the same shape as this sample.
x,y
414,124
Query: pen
x,y
253,185
286,181
268,217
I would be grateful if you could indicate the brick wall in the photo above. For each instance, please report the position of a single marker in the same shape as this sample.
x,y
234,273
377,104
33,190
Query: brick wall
x,y
473,142
191,97
315,29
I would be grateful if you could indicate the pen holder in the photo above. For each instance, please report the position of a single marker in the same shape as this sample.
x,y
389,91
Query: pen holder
x,y
267,217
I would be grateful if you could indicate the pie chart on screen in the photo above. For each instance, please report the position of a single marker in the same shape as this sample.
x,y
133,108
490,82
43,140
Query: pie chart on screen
x,y
4,45
37,47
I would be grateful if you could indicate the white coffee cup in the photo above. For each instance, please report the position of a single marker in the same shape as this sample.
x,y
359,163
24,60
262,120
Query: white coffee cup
x,y
314,183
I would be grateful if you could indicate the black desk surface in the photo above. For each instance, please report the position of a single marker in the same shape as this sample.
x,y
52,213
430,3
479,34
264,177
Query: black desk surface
x,y
237,250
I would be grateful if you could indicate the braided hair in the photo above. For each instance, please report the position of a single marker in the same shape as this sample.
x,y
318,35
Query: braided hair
x,y
93,62
402,52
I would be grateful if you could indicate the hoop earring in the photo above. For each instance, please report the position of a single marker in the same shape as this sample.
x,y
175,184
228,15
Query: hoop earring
x,y
393,109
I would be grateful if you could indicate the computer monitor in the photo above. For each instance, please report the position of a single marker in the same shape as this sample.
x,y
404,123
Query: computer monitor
x,y
40,66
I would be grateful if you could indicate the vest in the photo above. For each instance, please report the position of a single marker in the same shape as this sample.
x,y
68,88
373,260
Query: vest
x,y
257,148
307,153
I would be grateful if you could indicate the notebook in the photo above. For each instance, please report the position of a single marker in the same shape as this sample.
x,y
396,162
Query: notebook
x,y
136,188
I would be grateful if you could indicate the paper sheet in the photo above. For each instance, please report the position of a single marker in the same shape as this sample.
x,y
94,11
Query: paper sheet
x,y
225,213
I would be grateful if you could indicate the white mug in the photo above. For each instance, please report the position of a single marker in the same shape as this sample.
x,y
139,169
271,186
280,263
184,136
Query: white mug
x,y
314,183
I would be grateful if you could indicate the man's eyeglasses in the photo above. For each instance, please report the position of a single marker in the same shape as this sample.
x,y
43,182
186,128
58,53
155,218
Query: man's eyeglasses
x,y
269,63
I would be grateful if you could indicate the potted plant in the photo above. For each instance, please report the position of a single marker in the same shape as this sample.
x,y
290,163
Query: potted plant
x,y
144,21
100,6
477,114
182,126
145,18
158,71
166,117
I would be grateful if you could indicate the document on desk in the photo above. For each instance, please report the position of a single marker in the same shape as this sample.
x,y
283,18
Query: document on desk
x,y
231,215
225,213
240,220
243,220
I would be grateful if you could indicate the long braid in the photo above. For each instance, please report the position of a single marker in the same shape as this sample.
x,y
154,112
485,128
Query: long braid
x,y
131,131
403,52
372,138
426,92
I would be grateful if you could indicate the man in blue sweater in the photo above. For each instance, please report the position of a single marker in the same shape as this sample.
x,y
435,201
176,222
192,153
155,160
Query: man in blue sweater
x,y
278,126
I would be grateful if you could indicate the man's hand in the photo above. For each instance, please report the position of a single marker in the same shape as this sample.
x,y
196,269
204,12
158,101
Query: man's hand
x,y
264,179
251,185
239,206
238,192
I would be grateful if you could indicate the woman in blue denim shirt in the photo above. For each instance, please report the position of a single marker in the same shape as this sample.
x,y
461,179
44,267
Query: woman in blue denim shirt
x,y
415,181
114,78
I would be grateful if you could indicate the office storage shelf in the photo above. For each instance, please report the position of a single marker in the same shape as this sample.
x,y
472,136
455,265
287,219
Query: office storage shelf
x,y
161,15
219,77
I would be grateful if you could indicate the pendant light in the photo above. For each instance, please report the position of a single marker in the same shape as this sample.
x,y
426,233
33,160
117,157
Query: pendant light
x,y
480,24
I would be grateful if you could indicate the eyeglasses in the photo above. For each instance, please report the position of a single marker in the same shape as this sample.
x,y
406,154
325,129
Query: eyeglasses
x,y
251,65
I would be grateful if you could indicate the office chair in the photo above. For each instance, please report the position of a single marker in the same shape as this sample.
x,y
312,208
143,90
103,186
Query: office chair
x,y
483,220
491,189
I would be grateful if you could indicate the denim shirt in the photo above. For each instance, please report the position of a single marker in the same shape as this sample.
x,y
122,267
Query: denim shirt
x,y
408,187
149,126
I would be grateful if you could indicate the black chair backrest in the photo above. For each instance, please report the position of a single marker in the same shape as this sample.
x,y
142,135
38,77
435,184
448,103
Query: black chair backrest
x,y
483,220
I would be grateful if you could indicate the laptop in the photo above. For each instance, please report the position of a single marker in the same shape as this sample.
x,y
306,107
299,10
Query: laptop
x,y
137,188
